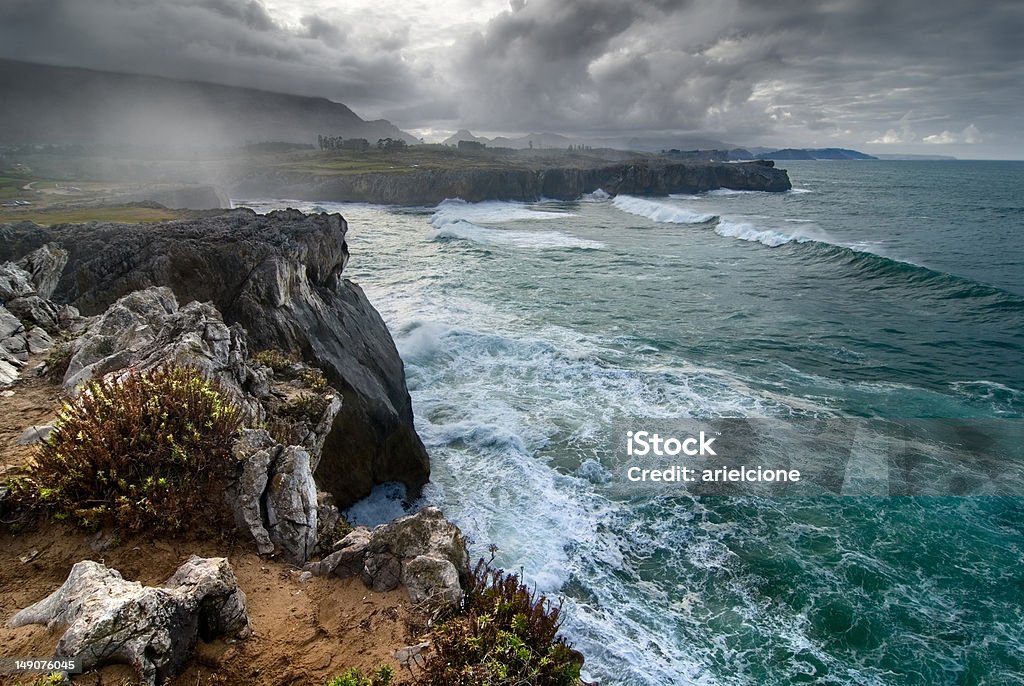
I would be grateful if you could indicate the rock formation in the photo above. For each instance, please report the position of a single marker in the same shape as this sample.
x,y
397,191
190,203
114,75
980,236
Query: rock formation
x,y
423,552
27,317
153,629
280,277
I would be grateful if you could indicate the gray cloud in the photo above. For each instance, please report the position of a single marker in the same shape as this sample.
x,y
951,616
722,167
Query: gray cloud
x,y
913,74
843,70
229,41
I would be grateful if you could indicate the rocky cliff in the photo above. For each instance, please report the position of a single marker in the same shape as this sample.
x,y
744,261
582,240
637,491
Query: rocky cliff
x,y
280,277
643,177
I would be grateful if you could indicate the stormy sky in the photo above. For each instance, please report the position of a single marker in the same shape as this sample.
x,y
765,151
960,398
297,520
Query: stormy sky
x,y
917,76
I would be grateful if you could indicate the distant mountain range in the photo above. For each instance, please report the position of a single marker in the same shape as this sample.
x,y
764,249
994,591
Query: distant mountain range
x,y
47,104
814,154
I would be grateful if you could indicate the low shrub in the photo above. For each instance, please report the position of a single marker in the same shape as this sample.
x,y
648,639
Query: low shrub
x,y
314,379
310,406
58,360
276,359
381,676
149,450
506,635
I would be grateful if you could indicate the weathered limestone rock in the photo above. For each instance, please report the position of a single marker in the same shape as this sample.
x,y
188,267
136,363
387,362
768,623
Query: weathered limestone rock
x,y
146,329
275,496
32,308
35,434
424,552
38,341
14,282
44,267
153,629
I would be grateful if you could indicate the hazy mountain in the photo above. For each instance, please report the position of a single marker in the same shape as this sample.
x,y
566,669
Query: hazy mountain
x,y
815,154
46,104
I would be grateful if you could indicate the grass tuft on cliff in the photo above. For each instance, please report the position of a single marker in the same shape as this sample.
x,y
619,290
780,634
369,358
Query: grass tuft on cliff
x,y
506,635
150,450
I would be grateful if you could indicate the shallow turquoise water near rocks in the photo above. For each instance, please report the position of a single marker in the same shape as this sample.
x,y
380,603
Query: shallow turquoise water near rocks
x,y
889,290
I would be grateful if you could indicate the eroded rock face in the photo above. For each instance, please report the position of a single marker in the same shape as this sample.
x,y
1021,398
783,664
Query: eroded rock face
x,y
423,552
153,629
44,267
280,277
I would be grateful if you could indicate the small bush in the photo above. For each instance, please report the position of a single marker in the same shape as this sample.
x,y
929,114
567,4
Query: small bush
x,y
275,359
506,635
309,406
381,676
58,360
141,452
314,380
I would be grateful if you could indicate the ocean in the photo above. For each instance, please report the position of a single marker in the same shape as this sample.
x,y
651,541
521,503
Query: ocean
x,y
533,333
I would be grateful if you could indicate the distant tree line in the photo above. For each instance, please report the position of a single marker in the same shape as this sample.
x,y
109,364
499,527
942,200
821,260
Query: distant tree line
x,y
360,144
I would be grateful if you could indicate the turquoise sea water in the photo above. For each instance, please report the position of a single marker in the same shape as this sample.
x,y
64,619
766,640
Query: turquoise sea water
x,y
531,332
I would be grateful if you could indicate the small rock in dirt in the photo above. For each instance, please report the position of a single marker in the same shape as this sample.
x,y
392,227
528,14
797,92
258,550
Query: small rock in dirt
x,y
35,434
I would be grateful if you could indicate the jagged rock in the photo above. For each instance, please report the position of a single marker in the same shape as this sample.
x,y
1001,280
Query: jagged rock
x,y
291,503
348,558
35,434
8,373
153,629
38,341
44,267
279,276
14,282
32,308
9,324
147,329
275,496
256,451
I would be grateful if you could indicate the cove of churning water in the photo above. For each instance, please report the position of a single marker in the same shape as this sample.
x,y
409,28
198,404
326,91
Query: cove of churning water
x,y
531,331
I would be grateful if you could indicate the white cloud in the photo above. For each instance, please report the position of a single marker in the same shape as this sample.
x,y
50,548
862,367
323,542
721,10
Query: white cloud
x,y
890,137
944,138
971,134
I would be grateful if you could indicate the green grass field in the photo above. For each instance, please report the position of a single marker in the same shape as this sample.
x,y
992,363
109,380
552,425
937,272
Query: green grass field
x,y
128,215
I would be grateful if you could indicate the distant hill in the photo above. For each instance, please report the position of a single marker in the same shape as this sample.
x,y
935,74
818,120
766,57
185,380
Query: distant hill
x,y
46,104
814,154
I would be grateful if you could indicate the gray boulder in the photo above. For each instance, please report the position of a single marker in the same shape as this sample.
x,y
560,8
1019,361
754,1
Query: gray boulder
x,y
153,629
423,552
34,309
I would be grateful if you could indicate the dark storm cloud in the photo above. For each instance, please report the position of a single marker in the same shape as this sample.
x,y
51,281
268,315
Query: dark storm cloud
x,y
228,41
749,68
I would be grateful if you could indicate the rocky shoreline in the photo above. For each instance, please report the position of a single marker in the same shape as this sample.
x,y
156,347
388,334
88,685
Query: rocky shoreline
x,y
641,177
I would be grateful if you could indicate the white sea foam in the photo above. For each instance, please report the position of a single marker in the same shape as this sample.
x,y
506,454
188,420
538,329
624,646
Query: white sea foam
x,y
661,212
748,232
460,220
489,212
597,195
731,191
464,230
798,191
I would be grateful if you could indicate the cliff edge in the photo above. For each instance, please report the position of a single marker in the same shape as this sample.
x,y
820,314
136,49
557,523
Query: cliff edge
x,y
280,276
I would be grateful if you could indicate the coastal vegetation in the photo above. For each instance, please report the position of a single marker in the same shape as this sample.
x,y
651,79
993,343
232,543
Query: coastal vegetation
x,y
146,451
